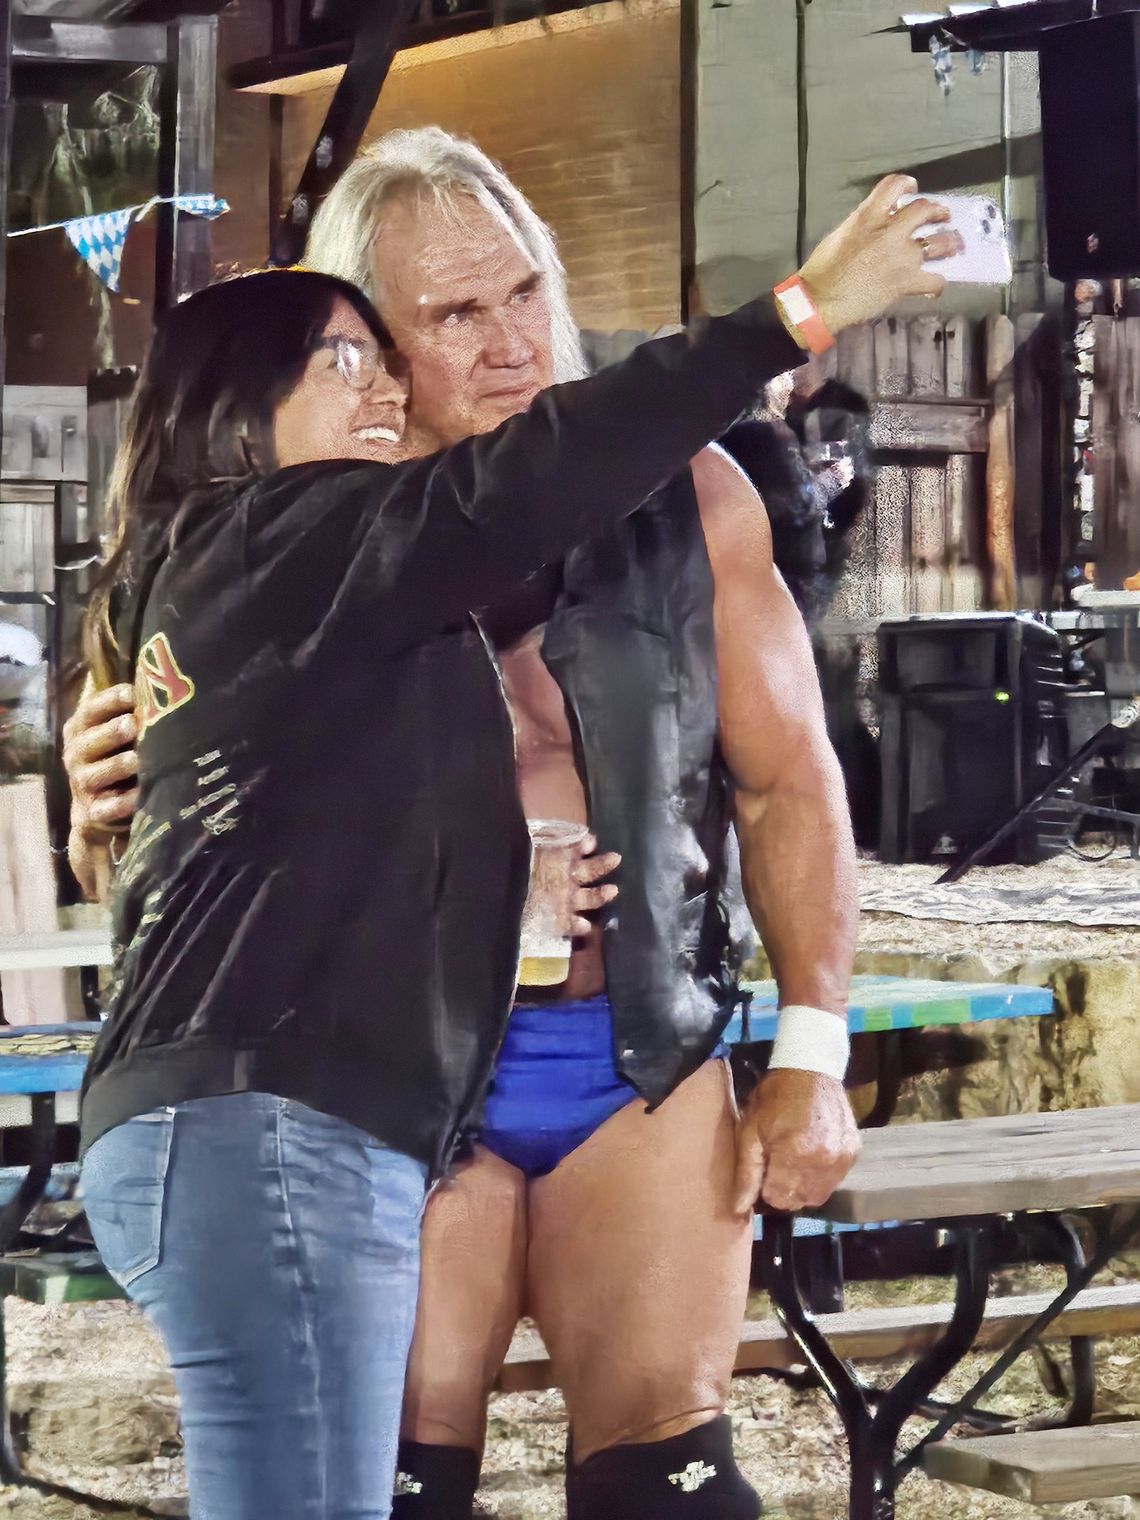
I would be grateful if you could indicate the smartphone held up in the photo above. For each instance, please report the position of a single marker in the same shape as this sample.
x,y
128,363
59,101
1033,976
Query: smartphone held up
x,y
984,259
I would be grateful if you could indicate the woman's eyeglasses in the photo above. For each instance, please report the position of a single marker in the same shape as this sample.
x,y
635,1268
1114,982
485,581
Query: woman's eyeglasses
x,y
358,364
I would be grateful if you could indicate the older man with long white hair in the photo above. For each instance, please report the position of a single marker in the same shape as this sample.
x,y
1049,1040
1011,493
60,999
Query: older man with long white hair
x,y
611,1188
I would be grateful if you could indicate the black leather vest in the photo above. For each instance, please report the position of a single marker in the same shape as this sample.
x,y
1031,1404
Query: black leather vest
x,y
631,644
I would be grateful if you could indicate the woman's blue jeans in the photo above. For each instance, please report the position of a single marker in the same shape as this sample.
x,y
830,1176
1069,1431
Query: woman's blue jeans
x,y
277,1251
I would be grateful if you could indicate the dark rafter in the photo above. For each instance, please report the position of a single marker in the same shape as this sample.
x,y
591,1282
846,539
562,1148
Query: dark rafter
x,y
374,46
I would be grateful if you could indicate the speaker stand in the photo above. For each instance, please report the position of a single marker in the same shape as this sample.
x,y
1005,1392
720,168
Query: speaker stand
x,y
1122,731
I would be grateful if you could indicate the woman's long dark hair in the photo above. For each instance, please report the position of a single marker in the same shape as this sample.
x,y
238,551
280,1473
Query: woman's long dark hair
x,y
219,365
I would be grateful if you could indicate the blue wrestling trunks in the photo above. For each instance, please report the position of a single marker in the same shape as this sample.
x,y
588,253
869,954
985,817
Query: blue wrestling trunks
x,y
555,1083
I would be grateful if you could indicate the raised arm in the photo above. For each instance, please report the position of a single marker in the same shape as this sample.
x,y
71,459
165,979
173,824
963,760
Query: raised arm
x,y
430,540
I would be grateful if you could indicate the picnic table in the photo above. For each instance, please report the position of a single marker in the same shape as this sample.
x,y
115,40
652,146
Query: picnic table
x,y
41,1072
971,1176
42,1066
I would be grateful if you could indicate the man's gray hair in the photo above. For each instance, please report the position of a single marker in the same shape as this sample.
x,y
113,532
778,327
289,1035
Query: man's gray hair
x,y
428,160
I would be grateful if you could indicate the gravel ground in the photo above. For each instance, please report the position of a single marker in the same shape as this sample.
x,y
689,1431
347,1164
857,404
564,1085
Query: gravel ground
x,y
92,1384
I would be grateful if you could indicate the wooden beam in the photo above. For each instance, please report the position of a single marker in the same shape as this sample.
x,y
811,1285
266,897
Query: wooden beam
x,y
343,127
940,427
186,158
689,85
40,39
297,71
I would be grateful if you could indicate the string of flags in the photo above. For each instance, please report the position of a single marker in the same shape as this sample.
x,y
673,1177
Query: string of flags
x,y
940,50
944,65
99,240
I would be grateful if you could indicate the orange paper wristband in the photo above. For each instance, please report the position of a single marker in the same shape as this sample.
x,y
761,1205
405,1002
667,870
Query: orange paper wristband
x,y
802,315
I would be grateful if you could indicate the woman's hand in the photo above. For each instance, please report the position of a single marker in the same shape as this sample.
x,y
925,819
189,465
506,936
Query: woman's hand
x,y
588,895
874,259
102,767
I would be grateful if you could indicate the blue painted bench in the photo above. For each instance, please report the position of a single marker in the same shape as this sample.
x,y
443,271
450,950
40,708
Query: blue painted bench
x,y
880,1003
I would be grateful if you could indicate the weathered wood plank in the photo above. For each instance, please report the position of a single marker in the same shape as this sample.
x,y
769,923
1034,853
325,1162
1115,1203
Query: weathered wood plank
x,y
1045,1466
1116,442
1072,1159
855,359
962,588
892,362
26,543
999,464
892,540
45,433
930,426
927,358
1028,474
872,1334
28,900
960,341
927,536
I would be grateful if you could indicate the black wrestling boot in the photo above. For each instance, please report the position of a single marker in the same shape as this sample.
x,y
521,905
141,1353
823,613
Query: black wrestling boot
x,y
434,1482
688,1477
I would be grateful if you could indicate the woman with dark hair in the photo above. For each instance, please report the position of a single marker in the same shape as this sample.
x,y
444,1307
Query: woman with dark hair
x,y
309,994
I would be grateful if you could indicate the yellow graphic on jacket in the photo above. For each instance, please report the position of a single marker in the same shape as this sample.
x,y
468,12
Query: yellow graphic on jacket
x,y
160,685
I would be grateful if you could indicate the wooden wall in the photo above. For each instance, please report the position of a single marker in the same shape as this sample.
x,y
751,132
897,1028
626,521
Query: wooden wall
x,y
920,546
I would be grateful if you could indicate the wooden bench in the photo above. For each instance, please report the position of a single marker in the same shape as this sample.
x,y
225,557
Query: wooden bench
x,y
56,1277
875,1334
1045,1466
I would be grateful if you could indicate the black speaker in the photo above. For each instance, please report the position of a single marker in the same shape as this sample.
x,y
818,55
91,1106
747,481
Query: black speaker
x,y
971,721
1090,144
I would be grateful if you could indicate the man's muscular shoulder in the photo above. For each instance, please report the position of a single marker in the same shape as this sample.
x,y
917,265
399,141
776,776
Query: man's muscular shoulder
x,y
733,518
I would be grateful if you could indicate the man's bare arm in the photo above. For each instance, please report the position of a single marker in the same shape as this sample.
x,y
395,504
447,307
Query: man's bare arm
x,y
797,850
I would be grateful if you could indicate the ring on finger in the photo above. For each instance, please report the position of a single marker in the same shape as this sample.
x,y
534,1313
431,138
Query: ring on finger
x,y
927,255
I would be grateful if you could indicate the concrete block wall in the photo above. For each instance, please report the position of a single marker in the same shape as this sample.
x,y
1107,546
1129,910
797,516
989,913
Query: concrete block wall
x,y
873,107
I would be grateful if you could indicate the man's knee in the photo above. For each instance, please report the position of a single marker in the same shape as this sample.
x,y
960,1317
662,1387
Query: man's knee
x,y
687,1477
435,1482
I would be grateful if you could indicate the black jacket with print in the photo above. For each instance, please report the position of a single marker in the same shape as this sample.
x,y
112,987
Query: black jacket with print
x,y
322,891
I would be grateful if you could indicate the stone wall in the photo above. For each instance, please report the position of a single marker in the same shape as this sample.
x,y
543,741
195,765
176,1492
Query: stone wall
x,y
1085,1055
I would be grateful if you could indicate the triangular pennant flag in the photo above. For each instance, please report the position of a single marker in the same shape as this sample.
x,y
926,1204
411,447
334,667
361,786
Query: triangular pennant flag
x,y
943,62
99,242
209,206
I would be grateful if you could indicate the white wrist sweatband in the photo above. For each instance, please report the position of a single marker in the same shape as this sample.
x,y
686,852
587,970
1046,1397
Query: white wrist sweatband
x,y
810,1039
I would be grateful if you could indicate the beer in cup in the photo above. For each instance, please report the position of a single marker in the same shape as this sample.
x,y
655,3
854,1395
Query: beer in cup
x,y
545,942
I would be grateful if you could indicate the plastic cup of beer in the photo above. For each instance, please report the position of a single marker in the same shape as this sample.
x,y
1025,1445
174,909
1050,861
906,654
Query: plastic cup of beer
x,y
545,942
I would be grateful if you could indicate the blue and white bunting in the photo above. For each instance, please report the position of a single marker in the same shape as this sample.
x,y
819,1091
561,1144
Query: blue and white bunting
x,y
99,239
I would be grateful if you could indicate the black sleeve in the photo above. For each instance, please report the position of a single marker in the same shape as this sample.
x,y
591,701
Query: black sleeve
x,y
417,545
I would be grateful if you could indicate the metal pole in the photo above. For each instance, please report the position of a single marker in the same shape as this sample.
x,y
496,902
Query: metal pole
x,y
801,130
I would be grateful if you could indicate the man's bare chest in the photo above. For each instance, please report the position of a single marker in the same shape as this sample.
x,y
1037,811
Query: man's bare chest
x,y
544,746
